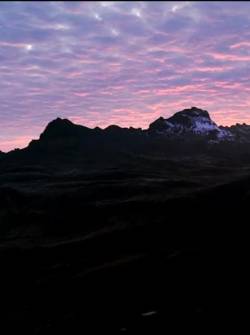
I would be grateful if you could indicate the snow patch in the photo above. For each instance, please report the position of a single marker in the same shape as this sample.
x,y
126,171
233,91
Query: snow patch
x,y
149,313
171,125
203,125
222,134
195,123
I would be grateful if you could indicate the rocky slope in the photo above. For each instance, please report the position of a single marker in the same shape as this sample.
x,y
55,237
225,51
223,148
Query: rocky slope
x,y
190,121
188,131
125,229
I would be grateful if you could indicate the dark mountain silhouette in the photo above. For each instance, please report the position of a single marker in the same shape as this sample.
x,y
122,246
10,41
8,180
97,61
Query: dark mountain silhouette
x,y
124,229
193,121
188,132
240,132
63,128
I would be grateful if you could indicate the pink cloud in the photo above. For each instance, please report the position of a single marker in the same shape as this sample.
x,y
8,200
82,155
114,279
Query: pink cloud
x,y
240,45
17,142
178,89
81,94
229,57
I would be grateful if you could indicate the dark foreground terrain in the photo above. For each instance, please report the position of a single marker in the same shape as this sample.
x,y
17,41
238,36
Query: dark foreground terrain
x,y
149,245
125,230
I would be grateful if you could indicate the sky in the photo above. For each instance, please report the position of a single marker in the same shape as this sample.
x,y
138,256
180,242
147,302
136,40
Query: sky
x,y
124,63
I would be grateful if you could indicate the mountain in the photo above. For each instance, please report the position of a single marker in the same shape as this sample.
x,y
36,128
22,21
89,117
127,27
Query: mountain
x,y
190,121
63,136
194,123
59,128
119,229
240,132
188,132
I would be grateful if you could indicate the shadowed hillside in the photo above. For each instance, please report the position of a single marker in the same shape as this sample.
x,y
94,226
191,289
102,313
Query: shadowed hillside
x,y
122,230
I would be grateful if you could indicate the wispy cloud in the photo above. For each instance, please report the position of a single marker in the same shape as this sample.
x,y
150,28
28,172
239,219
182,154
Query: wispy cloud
x,y
99,63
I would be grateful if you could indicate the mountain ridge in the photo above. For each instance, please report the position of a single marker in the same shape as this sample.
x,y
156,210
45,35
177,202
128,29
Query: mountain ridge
x,y
193,120
191,124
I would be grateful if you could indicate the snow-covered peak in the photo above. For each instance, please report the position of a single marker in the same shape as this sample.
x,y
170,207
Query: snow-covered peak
x,y
193,121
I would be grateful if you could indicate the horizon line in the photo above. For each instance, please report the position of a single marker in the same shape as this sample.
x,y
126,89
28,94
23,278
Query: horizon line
x,y
113,124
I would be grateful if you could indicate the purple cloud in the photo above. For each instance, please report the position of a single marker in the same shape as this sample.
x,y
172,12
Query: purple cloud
x,y
99,63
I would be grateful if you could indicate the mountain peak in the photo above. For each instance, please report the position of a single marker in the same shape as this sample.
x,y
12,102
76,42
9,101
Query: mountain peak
x,y
60,128
57,128
193,112
60,121
192,120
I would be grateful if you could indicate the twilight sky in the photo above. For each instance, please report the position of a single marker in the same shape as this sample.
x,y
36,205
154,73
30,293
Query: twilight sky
x,y
125,63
